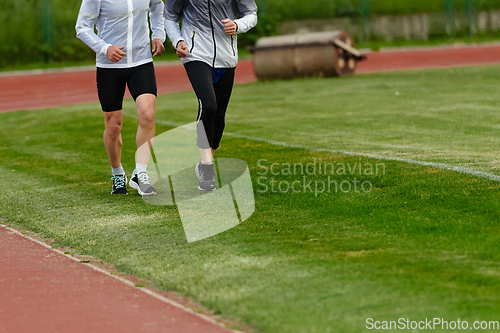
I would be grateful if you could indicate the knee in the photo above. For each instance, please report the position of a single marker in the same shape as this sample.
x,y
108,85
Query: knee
x,y
147,117
113,131
209,110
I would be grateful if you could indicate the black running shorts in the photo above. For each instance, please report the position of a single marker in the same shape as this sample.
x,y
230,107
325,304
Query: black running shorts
x,y
111,84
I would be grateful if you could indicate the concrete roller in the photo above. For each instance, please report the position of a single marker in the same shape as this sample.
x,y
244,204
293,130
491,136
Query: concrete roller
x,y
323,54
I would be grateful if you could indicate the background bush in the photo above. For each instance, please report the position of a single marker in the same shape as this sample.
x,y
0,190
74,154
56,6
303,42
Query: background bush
x,y
21,33
288,10
21,28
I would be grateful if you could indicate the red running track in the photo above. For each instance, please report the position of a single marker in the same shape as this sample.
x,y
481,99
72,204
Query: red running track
x,y
44,291
35,91
439,57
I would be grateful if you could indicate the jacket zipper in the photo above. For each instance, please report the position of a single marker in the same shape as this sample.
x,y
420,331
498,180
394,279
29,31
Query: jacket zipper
x,y
213,30
232,45
192,42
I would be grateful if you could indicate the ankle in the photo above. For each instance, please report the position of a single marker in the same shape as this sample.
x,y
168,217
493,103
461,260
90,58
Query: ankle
x,y
140,167
118,171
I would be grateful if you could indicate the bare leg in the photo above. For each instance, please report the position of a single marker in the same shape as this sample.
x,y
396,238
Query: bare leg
x,y
112,136
213,152
146,131
206,156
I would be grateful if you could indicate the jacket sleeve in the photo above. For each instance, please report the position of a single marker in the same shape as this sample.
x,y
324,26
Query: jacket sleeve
x,y
247,9
156,18
87,18
173,14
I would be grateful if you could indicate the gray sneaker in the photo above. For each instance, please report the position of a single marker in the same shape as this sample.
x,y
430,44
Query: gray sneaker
x,y
140,182
206,175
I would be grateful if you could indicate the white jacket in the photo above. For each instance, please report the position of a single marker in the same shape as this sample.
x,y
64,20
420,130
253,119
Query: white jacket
x,y
121,23
203,31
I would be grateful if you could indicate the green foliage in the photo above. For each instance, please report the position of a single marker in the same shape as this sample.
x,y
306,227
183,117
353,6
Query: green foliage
x,y
20,32
22,42
317,9
67,46
274,12
267,26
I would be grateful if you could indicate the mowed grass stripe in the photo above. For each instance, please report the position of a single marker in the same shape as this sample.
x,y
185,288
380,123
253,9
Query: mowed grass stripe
x,y
472,172
448,116
423,243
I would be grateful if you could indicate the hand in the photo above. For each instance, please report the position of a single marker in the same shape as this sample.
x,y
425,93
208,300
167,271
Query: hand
x,y
230,27
157,47
182,49
115,53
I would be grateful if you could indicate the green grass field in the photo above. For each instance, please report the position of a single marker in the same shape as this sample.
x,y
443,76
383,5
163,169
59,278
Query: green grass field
x,y
423,243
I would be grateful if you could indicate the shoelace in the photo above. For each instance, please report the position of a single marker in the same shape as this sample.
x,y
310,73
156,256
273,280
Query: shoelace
x,y
144,178
119,181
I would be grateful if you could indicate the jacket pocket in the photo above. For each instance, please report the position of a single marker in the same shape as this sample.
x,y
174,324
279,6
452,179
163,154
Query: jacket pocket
x,y
232,45
192,42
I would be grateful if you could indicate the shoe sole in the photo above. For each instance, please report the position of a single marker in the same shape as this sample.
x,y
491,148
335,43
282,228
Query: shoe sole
x,y
205,190
126,180
135,186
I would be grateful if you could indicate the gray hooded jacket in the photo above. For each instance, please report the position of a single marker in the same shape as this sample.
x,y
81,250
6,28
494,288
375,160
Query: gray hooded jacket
x,y
203,31
121,23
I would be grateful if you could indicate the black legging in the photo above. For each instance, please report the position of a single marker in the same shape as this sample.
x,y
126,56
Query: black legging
x,y
213,99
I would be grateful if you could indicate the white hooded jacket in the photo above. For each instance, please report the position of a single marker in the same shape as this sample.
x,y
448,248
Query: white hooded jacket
x,y
121,23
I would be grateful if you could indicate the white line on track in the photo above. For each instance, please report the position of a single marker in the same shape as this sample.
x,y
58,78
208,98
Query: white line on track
x,y
481,174
125,281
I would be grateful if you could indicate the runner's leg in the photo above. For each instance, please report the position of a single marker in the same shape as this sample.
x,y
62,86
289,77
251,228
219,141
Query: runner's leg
x,y
223,89
142,87
201,77
146,132
111,89
112,137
